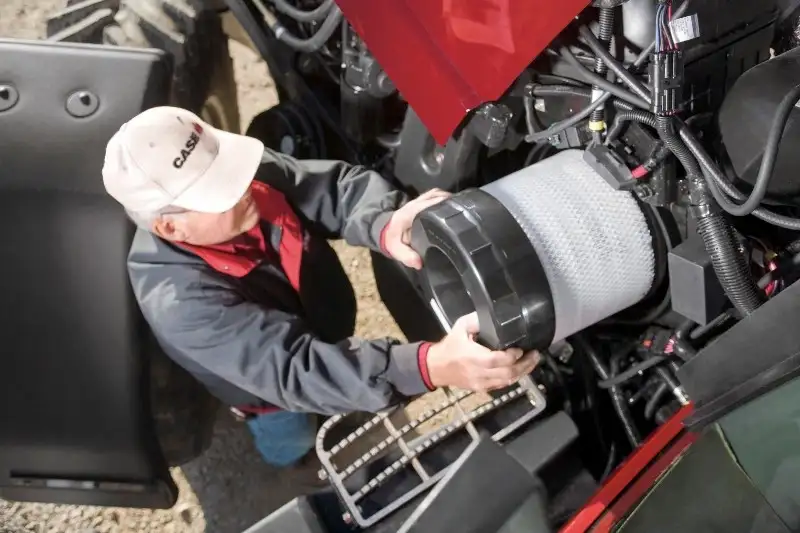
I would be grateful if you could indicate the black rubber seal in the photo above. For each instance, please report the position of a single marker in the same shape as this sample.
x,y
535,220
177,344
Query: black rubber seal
x,y
477,258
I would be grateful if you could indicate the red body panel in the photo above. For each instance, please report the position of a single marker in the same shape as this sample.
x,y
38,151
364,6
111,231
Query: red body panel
x,y
634,477
447,57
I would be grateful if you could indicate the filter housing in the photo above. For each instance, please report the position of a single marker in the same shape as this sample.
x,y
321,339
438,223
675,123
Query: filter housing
x,y
540,254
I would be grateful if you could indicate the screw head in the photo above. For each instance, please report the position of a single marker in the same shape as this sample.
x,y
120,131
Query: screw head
x,y
9,96
82,104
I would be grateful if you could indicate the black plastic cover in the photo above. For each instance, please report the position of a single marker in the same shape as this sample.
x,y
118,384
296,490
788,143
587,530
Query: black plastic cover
x,y
477,258
745,119
481,491
75,424
695,289
755,356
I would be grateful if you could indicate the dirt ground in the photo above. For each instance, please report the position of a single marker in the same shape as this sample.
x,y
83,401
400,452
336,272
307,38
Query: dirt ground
x,y
229,488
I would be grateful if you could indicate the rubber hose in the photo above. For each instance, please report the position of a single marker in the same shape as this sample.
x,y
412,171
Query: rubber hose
x,y
652,403
771,149
316,41
637,115
716,181
718,236
605,33
556,90
601,82
610,62
300,15
729,263
620,407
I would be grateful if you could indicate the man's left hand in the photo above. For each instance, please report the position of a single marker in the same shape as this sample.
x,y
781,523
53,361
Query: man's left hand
x,y
397,235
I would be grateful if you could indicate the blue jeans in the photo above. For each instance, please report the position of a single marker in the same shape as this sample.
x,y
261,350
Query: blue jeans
x,y
283,438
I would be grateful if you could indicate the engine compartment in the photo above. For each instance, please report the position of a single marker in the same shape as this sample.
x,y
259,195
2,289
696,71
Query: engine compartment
x,y
629,200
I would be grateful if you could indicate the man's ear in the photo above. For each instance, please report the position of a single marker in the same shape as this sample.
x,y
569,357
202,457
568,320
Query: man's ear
x,y
166,228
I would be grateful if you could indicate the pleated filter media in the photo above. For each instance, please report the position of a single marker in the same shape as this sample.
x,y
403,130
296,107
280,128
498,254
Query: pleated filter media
x,y
593,241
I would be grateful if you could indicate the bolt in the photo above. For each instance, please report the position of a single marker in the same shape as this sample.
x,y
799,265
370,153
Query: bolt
x,y
85,98
347,518
322,475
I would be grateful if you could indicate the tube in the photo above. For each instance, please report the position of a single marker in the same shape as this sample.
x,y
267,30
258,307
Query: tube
x,y
617,400
636,115
771,148
316,14
601,82
605,56
316,41
652,403
718,236
716,181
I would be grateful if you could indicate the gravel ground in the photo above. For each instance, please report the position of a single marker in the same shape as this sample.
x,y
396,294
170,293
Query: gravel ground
x,y
229,488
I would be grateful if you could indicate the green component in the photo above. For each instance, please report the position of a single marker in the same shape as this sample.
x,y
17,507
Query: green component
x,y
764,435
705,490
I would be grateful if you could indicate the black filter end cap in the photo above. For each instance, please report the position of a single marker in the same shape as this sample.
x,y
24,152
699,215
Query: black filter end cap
x,y
477,259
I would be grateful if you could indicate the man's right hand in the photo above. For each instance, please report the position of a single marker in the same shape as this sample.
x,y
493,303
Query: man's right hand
x,y
458,361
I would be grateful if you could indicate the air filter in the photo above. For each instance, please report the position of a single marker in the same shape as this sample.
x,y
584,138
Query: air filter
x,y
540,254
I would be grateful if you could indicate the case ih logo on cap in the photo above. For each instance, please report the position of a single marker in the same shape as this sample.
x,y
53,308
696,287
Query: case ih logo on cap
x,y
189,146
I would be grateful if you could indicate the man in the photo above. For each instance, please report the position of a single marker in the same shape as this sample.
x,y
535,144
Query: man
x,y
232,270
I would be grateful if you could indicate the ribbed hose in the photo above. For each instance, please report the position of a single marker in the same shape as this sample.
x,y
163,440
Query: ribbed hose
x,y
729,263
636,115
718,236
604,35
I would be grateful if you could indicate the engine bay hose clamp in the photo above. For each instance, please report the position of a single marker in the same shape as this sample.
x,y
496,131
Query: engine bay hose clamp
x,y
477,258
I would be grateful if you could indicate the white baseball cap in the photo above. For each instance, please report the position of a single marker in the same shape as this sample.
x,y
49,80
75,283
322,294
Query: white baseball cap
x,y
167,156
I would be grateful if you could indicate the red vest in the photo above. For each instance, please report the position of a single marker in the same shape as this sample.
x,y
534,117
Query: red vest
x,y
244,253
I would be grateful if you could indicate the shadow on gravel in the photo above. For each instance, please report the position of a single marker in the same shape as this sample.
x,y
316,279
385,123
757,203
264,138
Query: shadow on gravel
x,y
235,488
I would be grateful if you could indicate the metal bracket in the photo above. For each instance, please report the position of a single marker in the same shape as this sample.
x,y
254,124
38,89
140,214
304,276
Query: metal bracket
x,y
408,455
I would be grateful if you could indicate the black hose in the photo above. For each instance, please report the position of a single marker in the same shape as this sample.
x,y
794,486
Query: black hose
x,y
558,90
631,373
601,82
716,181
562,125
770,156
730,264
637,115
605,57
652,404
314,15
316,41
555,78
617,399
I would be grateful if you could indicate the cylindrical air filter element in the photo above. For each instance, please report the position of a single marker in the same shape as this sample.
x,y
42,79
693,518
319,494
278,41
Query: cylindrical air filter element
x,y
540,254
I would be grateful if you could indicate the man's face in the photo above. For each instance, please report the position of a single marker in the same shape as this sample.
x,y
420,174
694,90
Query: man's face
x,y
204,229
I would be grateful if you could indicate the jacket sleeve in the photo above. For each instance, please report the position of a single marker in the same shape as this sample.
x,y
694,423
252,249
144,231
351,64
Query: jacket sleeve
x,y
273,355
336,199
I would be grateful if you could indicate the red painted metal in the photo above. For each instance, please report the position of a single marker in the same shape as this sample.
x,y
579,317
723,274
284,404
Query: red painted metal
x,y
643,484
619,482
448,57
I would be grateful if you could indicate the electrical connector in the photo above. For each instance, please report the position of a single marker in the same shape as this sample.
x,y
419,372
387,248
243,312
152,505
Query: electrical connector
x,y
666,74
610,166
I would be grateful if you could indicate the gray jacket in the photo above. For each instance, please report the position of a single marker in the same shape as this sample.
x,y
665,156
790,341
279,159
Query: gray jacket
x,y
255,341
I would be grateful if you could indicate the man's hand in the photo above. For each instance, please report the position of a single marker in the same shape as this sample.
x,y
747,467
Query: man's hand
x,y
458,361
398,231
